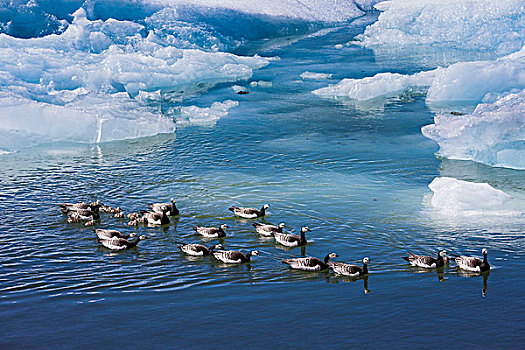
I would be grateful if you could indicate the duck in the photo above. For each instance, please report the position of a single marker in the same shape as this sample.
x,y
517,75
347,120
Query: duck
x,y
108,234
267,229
309,263
249,213
117,243
153,218
211,232
172,208
66,207
427,262
198,249
233,256
82,215
350,270
291,240
473,264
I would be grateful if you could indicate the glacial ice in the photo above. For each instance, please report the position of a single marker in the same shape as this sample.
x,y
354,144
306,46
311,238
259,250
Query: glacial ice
x,y
308,10
453,197
473,81
315,76
380,85
493,26
87,83
197,116
493,134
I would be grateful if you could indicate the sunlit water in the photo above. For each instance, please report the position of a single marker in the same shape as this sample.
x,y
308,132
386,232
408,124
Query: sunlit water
x,y
357,175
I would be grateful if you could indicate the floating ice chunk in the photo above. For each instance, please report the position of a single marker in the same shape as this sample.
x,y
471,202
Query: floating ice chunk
x,y
472,81
100,81
380,85
90,119
198,116
496,26
316,76
454,197
261,83
493,134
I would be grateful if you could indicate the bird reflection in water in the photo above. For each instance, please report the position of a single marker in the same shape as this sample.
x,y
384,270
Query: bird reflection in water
x,y
485,275
440,272
347,279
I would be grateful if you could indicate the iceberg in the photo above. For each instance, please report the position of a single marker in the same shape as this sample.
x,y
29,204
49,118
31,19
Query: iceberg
x,y
380,85
495,27
473,81
453,197
87,84
494,134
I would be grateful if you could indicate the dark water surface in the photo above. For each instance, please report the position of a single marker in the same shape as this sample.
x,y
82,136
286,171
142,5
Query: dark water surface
x,y
356,174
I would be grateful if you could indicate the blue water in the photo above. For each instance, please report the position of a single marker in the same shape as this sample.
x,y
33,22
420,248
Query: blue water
x,y
357,175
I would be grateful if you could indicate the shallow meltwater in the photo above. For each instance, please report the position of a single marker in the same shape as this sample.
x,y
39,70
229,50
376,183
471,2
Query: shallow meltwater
x,y
356,174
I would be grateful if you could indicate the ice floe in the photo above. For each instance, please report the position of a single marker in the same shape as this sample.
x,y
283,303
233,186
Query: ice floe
x,y
90,83
197,116
493,134
380,85
494,26
453,197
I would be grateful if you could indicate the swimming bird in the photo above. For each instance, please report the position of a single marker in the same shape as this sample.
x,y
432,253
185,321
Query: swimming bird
x,y
291,240
65,207
267,229
82,215
427,262
309,263
172,208
349,270
107,234
117,243
153,218
473,264
198,249
211,232
233,256
134,216
110,210
249,213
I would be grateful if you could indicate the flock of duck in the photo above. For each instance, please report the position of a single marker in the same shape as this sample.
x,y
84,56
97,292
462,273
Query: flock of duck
x,y
159,214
